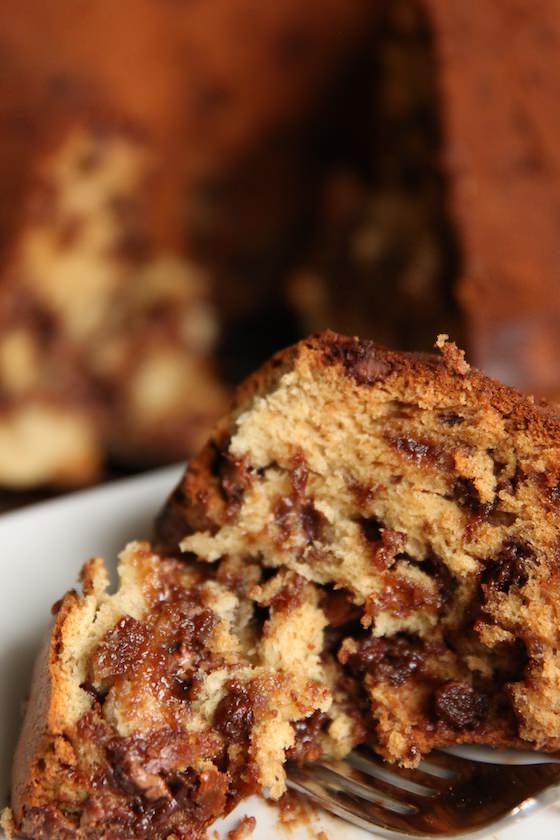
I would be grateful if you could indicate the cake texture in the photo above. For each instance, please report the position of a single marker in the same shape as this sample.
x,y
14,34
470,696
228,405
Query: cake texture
x,y
155,709
421,498
365,552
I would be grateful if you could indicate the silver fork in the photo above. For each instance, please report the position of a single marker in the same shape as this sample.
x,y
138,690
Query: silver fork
x,y
445,796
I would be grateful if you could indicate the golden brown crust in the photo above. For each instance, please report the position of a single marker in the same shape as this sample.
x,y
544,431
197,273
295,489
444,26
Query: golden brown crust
x,y
47,712
198,502
35,726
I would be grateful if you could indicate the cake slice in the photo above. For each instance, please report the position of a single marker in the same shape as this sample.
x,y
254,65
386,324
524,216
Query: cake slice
x,y
370,546
155,709
422,499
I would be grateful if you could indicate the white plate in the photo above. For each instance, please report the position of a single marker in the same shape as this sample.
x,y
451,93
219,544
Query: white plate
x,y
41,551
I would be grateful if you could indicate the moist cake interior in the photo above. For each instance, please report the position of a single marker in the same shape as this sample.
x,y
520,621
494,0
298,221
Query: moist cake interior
x,y
168,701
419,497
369,549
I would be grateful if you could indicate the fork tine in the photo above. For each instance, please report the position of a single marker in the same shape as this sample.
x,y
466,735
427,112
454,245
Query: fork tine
x,y
432,806
437,770
448,765
429,767
470,796
340,776
411,781
366,815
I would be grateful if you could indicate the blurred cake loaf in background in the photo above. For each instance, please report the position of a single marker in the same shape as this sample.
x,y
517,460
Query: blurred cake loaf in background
x,y
253,172
153,170
383,253
445,211
106,336
498,75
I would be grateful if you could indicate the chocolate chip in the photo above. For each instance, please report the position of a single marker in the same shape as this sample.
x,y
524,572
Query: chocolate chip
x,y
307,746
467,496
395,660
510,567
417,451
122,651
440,572
362,493
451,419
384,543
339,607
234,714
362,360
235,478
368,370
459,705
297,512
311,522
289,596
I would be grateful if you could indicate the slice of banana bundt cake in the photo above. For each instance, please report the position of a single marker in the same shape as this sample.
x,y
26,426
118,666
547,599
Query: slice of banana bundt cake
x,y
370,555
422,498
155,709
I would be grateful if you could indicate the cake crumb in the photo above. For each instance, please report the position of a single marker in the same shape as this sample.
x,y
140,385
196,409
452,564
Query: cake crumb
x,y
453,356
7,823
243,829
294,810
